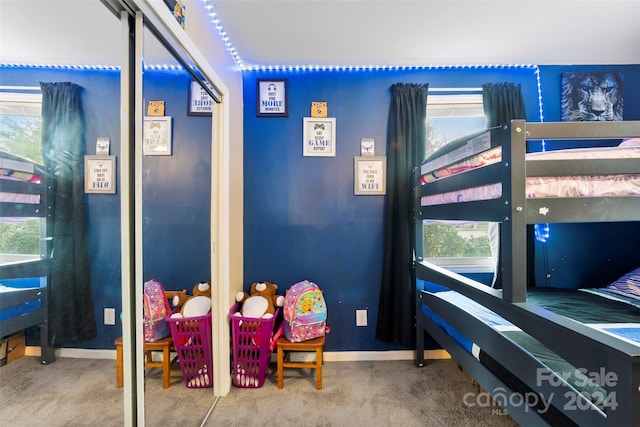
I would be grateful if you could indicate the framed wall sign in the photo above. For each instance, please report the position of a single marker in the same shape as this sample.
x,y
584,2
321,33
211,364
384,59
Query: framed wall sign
x,y
156,136
200,102
100,174
367,147
319,137
272,98
370,175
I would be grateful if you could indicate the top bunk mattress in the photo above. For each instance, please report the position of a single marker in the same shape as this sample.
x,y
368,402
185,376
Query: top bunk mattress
x,y
540,186
20,181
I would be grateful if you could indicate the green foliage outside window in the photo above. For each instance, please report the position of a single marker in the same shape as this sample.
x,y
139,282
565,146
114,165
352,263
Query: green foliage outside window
x,y
20,135
446,241
20,237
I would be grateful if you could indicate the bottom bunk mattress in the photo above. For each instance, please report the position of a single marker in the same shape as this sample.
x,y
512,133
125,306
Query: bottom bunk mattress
x,y
21,299
601,308
616,317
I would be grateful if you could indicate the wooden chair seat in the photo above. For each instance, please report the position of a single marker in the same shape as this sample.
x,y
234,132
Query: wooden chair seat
x,y
165,345
285,347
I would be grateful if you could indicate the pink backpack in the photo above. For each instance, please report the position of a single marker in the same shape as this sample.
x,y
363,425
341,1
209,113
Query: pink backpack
x,y
156,309
305,312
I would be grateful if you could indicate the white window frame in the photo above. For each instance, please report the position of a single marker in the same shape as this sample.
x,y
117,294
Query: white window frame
x,y
23,104
448,105
20,104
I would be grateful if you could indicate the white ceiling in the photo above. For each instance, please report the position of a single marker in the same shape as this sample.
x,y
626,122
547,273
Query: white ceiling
x,y
65,32
433,32
350,32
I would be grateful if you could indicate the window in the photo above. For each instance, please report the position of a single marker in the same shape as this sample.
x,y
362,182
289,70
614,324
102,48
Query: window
x,y
21,239
463,246
21,124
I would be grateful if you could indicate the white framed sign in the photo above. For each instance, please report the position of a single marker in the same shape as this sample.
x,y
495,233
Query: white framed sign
x,y
319,136
370,175
156,136
100,174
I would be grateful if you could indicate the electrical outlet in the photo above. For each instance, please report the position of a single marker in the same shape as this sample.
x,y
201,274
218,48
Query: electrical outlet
x,y
109,316
361,317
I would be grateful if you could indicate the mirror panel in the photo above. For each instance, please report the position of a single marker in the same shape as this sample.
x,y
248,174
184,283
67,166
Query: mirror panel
x,y
82,54
176,216
176,189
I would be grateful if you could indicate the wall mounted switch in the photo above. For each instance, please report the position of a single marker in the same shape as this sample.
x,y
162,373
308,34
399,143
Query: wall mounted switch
x,y
361,317
109,316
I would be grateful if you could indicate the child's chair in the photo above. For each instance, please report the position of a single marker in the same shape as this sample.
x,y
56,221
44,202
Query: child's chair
x,y
164,345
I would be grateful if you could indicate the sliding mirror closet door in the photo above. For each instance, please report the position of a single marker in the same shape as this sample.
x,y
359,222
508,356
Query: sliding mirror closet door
x,y
175,180
61,75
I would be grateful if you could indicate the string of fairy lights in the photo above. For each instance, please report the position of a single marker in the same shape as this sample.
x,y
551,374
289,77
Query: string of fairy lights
x,y
542,233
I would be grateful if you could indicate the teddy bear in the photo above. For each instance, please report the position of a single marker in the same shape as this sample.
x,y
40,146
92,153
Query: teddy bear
x,y
197,304
178,300
260,302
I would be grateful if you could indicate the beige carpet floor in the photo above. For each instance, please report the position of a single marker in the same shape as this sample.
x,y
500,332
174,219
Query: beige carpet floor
x,y
82,392
366,393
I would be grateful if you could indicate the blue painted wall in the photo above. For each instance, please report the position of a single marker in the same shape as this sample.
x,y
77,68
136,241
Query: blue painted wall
x,y
302,220
301,217
176,189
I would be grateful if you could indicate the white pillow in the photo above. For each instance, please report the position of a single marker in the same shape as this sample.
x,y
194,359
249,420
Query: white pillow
x,y
196,306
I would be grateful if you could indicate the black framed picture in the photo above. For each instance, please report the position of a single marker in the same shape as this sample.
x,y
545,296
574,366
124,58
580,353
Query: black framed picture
x,y
272,98
200,103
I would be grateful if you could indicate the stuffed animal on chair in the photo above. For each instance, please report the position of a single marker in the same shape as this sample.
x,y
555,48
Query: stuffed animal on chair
x,y
194,305
261,302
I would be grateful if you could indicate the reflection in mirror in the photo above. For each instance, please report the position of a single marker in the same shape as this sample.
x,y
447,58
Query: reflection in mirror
x,y
72,322
60,299
176,212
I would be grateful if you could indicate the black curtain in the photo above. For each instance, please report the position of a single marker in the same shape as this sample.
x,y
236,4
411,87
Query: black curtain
x,y
71,313
406,140
502,102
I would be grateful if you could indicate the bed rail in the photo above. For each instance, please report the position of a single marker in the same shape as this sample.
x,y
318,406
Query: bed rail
x,y
23,194
579,130
578,344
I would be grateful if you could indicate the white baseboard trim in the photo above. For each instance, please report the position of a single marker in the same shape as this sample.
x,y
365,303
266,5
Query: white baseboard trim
x,y
329,356
355,356
77,353
361,356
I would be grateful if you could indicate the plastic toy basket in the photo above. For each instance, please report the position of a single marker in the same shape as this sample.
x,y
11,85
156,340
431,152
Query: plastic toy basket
x,y
251,348
192,340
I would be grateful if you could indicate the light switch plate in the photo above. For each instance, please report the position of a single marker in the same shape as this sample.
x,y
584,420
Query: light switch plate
x,y
361,317
109,316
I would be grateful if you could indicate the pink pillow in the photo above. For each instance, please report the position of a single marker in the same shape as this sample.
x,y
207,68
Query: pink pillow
x,y
633,142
